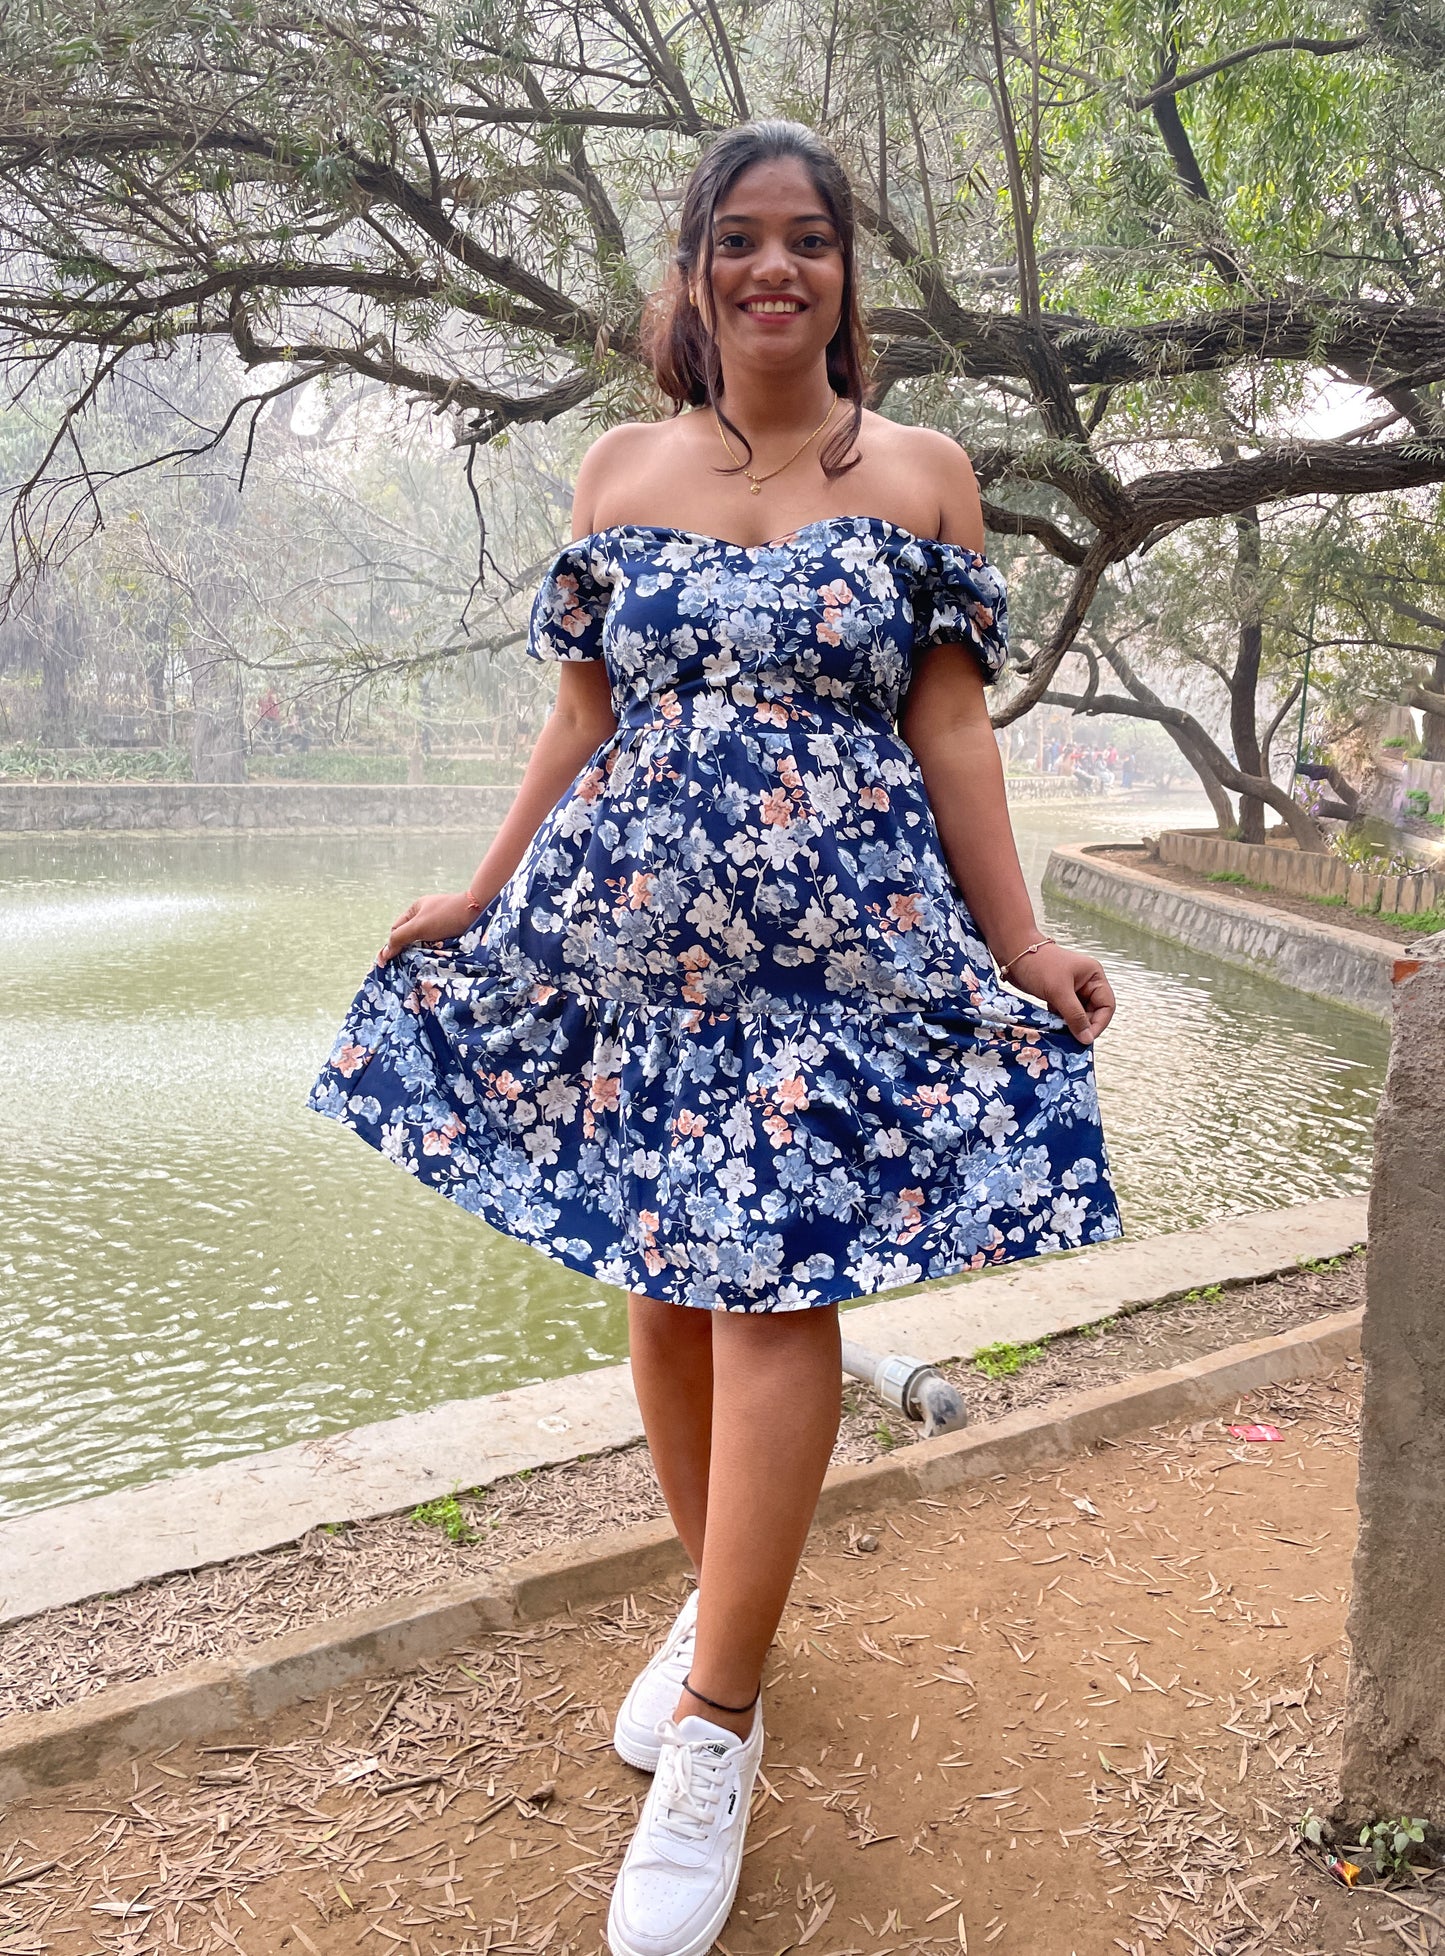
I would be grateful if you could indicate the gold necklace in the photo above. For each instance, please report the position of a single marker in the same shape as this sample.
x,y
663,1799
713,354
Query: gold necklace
x,y
757,481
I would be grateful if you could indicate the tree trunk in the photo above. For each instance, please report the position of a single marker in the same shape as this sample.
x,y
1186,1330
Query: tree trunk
x,y
1218,800
1244,684
1435,722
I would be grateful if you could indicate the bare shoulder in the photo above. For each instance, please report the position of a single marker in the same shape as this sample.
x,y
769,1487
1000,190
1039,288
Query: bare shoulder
x,y
935,474
616,458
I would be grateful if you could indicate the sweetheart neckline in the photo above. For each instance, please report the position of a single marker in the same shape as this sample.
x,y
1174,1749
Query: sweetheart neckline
x,y
771,543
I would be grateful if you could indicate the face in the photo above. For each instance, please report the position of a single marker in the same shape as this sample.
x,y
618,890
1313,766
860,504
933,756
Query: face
x,y
777,271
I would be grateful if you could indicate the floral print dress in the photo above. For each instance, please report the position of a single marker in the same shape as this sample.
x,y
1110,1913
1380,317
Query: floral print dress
x,y
729,1035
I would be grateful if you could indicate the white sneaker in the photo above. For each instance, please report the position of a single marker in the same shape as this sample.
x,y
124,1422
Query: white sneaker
x,y
680,1873
655,1691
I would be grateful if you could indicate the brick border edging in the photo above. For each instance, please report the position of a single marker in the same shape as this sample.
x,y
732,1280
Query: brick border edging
x,y
45,1749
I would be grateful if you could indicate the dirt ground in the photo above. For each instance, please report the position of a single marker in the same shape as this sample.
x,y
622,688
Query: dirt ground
x,y
51,1660
1340,915
1066,1714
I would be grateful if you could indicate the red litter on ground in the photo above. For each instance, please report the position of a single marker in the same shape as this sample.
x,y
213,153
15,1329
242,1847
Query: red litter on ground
x,y
1252,1432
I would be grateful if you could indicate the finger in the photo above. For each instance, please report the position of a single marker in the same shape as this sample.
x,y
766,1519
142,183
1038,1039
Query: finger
x,y
406,916
1098,996
1071,1010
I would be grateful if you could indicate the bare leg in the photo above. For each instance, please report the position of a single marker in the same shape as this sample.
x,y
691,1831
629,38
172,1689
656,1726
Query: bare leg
x,y
670,1346
776,1399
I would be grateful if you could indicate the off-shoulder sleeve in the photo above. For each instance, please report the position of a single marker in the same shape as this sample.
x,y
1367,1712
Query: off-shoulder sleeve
x,y
960,599
570,605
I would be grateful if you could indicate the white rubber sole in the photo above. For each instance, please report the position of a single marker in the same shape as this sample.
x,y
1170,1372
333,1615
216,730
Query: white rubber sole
x,y
635,1752
702,1940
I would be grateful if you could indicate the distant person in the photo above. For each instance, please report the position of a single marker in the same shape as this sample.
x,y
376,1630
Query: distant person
x,y
722,1018
268,719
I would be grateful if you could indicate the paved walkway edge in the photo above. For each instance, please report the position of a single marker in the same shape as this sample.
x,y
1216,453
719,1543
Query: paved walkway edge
x,y
53,1557
1348,967
207,1700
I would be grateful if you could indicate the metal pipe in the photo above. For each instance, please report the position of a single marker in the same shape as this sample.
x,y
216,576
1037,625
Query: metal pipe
x,y
915,1389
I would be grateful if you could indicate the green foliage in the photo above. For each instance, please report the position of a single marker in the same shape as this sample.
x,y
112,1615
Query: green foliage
x,y
1390,1844
1417,801
1002,1361
884,1437
1227,876
446,1514
1322,1263
30,761
1208,1295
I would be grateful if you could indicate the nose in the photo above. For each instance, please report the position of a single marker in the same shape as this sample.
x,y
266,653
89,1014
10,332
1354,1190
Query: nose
x,y
774,263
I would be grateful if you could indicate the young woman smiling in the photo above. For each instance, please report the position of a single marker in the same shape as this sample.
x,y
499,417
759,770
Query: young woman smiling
x,y
722,1015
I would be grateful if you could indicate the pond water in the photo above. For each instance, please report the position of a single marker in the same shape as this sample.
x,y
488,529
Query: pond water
x,y
193,1267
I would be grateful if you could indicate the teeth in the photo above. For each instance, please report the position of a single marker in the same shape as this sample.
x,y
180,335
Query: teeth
x,y
773,305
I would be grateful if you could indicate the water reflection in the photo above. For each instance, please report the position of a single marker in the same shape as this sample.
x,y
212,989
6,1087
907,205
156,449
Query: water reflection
x,y
193,1267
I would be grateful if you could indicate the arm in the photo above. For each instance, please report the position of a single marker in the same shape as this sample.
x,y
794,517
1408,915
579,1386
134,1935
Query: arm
x,y
945,721
581,718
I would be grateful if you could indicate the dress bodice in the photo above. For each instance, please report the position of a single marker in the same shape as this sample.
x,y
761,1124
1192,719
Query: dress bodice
x,y
822,624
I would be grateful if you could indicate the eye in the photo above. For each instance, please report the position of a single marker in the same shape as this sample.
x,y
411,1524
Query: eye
x,y
815,241
726,240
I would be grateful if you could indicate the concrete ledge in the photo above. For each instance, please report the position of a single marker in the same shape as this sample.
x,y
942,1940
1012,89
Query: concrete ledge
x,y
204,1701
61,1555
59,807
1299,872
1348,967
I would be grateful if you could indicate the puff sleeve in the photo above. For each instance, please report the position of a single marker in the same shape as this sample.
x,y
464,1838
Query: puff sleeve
x,y
960,598
570,606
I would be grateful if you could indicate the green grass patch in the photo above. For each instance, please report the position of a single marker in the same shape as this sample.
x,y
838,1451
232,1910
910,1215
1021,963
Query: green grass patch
x,y
884,1436
1227,876
1003,1361
1423,921
447,1515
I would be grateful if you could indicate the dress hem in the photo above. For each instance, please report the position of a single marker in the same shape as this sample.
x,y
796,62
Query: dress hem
x,y
964,1266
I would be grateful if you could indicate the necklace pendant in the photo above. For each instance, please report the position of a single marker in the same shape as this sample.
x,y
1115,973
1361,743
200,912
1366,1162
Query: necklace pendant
x,y
756,490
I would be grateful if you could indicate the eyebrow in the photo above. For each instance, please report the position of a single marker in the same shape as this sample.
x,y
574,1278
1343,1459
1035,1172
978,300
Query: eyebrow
x,y
740,217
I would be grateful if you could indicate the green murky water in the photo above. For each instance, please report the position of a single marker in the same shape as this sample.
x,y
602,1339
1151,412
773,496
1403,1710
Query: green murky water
x,y
193,1267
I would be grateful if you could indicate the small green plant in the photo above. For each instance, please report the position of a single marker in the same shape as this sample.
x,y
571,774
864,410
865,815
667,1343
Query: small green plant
x,y
1002,1361
884,1436
1417,801
1391,1843
1396,740
1311,1829
1227,876
1322,1262
1205,1296
447,1515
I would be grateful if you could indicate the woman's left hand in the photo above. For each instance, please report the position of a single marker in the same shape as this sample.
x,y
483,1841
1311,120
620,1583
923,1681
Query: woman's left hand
x,y
1070,983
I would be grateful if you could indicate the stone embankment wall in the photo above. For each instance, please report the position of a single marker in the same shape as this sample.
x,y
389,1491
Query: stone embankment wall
x,y
1426,777
1347,966
1301,873
44,807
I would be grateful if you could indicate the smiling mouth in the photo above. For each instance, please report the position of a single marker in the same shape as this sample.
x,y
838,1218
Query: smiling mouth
x,y
773,308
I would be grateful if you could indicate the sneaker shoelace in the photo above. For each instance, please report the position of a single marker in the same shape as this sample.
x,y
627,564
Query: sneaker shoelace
x,y
689,1783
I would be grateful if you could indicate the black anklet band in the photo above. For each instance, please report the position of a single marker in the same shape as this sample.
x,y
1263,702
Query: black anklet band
x,y
736,1710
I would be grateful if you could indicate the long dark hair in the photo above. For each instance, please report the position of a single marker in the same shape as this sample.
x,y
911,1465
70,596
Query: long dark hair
x,y
679,344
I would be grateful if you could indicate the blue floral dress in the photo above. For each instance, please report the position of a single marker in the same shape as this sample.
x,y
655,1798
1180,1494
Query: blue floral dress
x,y
729,1035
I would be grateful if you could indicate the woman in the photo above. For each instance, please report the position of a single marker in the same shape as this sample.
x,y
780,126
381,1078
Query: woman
x,y
717,1018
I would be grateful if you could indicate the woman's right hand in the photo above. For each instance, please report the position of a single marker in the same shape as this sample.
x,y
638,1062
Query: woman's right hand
x,y
445,914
